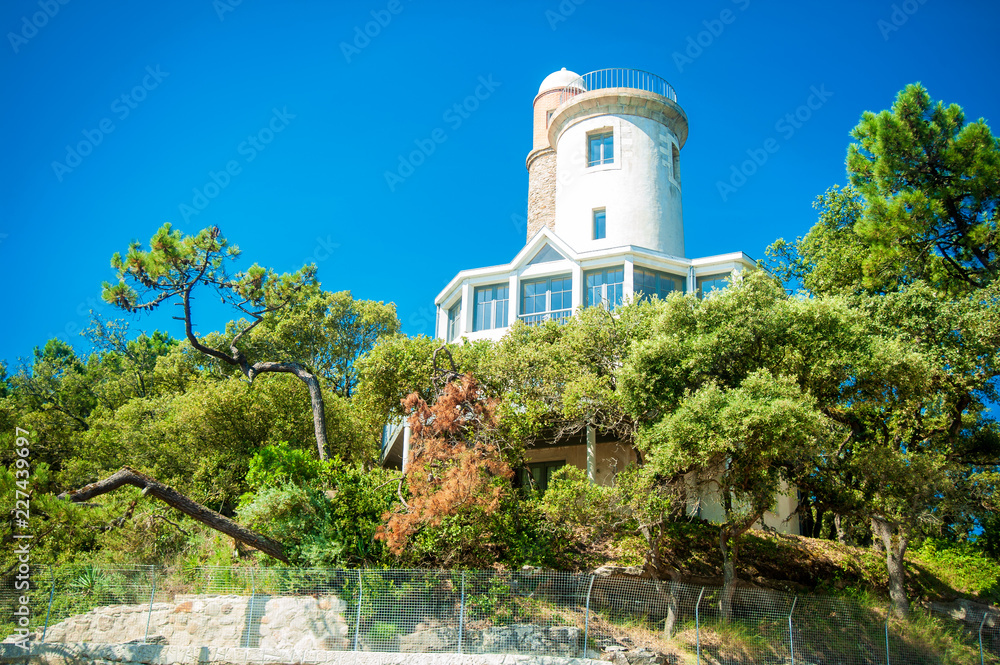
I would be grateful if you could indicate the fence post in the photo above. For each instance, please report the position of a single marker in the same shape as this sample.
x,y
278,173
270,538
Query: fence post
x,y
791,635
981,661
461,615
52,592
697,624
149,615
357,621
888,612
253,594
586,618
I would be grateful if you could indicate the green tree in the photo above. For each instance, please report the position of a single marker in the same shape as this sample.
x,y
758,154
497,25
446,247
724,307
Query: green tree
x,y
922,205
912,242
123,368
329,332
920,448
175,264
724,391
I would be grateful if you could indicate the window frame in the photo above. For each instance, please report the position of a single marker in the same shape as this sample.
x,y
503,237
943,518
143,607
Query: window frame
x,y
454,321
492,306
600,230
711,277
660,276
602,135
547,469
609,303
536,317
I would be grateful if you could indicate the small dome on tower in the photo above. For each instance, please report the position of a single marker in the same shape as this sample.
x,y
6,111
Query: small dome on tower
x,y
559,80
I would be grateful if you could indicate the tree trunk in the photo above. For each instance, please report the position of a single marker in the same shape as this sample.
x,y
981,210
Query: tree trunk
x,y
841,533
174,499
728,575
729,535
895,553
315,395
807,521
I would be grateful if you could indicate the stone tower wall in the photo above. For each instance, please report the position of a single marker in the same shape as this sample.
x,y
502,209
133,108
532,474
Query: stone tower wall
x,y
541,190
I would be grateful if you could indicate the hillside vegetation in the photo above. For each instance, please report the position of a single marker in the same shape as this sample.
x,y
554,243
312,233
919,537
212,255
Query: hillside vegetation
x,y
860,370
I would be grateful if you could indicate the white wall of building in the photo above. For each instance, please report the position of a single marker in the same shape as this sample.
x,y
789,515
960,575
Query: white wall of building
x,y
639,190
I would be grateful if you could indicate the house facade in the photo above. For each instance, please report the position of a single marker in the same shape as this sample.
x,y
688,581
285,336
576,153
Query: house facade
x,y
604,226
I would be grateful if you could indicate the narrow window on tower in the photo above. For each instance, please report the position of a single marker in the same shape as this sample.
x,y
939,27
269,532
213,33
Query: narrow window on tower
x,y
677,164
600,224
601,148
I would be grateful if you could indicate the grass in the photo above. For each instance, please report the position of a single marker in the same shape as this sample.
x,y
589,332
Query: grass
x,y
796,564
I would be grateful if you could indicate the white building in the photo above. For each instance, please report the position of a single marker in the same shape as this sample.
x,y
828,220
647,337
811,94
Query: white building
x,y
605,225
605,220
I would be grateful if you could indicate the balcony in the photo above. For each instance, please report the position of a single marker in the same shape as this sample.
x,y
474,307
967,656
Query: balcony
x,y
540,318
635,79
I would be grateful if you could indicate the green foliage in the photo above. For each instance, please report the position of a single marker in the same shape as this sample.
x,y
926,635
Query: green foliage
x,y
383,631
961,566
588,514
586,509
725,392
327,332
174,263
322,528
922,206
278,464
515,534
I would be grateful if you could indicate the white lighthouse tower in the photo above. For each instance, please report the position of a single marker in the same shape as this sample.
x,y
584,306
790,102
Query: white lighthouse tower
x,y
610,143
605,219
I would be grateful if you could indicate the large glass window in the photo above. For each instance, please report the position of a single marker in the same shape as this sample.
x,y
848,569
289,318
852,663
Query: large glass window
x,y
539,474
648,283
547,298
605,287
491,307
709,283
601,148
600,224
454,316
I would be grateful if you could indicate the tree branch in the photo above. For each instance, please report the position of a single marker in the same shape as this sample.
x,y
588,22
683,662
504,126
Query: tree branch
x,y
174,499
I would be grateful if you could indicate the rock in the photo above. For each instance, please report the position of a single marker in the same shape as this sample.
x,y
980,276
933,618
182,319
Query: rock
x,y
624,571
430,641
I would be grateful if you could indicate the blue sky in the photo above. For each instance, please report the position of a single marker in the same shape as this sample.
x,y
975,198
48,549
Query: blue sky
x,y
309,116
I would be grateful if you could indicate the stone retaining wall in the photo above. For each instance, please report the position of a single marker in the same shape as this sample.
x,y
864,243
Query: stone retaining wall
x,y
154,654
291,624
280,622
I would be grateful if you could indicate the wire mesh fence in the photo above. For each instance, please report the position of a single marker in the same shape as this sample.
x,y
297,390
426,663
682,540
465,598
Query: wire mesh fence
x,y
529,611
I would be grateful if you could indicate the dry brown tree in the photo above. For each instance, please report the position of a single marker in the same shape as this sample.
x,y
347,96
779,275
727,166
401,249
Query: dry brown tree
x,y
456,465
